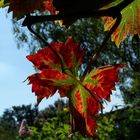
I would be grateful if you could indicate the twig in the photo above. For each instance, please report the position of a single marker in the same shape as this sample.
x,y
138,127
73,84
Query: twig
x,y
112,12
48,45
102,47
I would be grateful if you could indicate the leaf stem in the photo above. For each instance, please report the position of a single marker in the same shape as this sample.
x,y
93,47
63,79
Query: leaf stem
x,y
102,47
47,44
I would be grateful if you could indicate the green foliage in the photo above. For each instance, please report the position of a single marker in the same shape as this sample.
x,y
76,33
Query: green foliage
x,y
133,93
1,3
11,119
25,112
105,128
127,123
8,127
52,129
120,124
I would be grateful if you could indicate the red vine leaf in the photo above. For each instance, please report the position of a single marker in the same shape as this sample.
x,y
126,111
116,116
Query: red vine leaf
x,y
84,108
130,23
46,83
50,78
102,81
21,8
86,97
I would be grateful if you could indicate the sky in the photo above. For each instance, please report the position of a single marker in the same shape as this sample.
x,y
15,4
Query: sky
x,y
15,68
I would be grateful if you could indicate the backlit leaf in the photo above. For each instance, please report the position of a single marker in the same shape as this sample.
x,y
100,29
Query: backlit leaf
x,y
50,76
46,83
130,23
84,109
102,80
86,97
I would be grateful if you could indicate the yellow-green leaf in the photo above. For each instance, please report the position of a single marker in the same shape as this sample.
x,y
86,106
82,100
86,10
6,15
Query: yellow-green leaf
x,y
1,3
130,23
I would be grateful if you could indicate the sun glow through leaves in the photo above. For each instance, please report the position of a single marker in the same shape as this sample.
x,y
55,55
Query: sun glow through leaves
x,y
85,96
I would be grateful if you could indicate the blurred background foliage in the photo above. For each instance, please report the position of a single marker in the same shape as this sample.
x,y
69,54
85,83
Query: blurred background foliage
x,y
55,124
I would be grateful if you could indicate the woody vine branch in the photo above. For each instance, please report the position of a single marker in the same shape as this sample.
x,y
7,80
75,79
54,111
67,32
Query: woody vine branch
x,y
114,12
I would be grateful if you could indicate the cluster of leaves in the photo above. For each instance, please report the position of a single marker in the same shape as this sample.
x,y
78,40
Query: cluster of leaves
x,y
58,65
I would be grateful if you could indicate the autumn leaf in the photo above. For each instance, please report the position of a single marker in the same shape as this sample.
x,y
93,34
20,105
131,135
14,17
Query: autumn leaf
x,y
22,7
51,78
130,23
85,96
102,81
46,83
50,7
84,109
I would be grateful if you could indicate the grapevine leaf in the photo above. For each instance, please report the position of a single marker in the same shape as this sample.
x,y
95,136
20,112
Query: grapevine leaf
x,y
50,77
70,52
84,108
86,97
102,80
130,23
46,83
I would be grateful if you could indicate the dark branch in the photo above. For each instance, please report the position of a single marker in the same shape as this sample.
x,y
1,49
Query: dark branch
x,y
48,45
112,12
102,47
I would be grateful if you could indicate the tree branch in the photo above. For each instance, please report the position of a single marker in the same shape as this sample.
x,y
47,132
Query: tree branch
x,y
102,47
112,12
48,45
